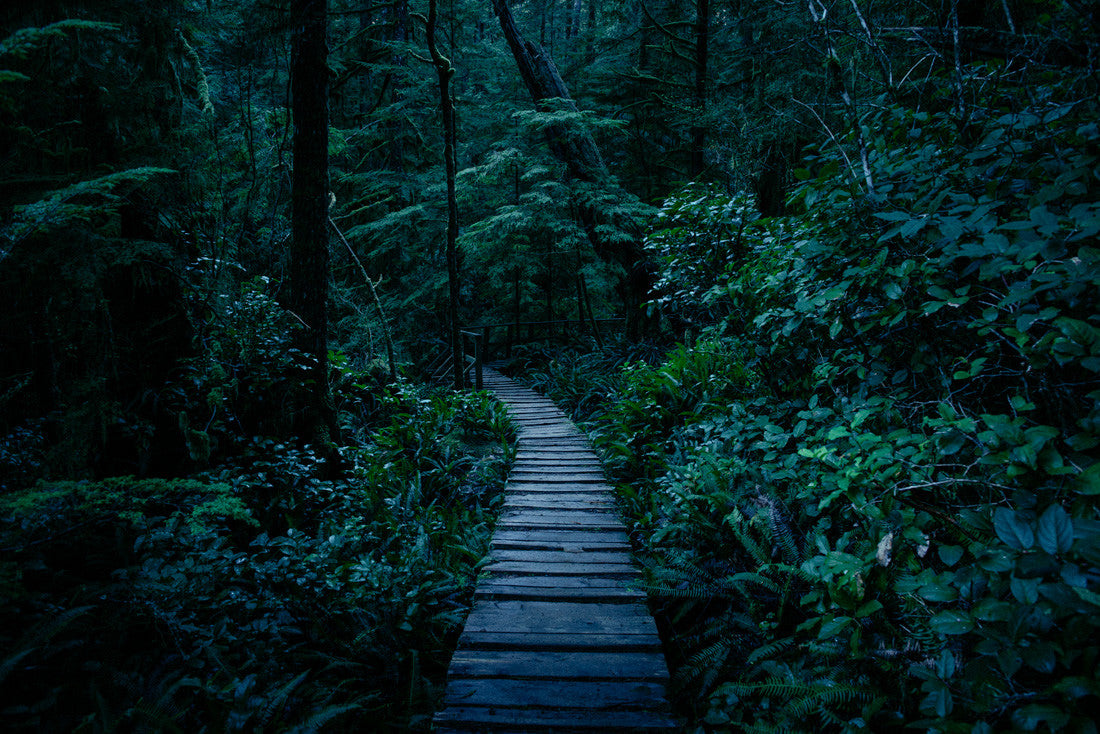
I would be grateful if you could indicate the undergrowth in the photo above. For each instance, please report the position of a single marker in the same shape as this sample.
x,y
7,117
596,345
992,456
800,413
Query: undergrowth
x,y
866,493
270,592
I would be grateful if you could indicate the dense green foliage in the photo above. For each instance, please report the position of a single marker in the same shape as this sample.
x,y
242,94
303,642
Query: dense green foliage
x,y
858,446
160,604
867,489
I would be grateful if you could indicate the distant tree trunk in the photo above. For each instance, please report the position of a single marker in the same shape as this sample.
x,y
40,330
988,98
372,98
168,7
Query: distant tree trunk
x,y
397,123
309,256
698,129
577,150
446,71
573,24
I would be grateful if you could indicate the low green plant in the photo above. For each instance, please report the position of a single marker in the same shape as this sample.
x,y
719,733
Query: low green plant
x,y
867,493
159,603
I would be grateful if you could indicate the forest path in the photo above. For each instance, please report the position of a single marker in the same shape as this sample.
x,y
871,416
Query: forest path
x,y
557,640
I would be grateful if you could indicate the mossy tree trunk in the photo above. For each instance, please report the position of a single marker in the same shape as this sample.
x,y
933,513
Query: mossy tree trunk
x,y
309,255
446,71
578,151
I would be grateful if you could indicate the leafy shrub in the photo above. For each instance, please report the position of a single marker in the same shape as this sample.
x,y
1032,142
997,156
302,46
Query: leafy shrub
x,y
156,604
868,493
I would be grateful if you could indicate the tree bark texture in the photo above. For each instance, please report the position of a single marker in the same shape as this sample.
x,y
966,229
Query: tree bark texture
x,y
309,256
699,130
578,151
445,71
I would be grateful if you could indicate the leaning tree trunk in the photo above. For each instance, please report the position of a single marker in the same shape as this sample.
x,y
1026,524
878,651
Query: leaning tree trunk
x,y
578,151
309,257
698,129
446,71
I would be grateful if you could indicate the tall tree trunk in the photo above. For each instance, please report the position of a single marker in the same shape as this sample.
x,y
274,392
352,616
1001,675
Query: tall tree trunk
x,y
397,124
577,150
309,256
699,130
445,71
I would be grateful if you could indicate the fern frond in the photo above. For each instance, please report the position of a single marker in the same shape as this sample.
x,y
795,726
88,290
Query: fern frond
x,y
769,650
735,522
37,637
705,663
737,579
318,719
817,701
278,699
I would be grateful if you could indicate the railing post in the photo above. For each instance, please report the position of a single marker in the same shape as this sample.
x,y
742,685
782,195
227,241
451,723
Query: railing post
x,y
479,357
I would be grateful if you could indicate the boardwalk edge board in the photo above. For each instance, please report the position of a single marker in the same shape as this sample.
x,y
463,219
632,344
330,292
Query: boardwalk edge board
x,y
559,638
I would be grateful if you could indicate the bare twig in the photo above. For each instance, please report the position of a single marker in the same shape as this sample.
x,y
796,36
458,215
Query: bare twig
x,y
374,295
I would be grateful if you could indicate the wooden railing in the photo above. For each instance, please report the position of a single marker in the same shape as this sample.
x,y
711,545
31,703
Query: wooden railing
x,y
478,346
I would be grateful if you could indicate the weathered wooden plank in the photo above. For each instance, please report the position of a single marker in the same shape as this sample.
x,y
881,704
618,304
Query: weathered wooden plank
x,y
562,437
578,518
564,443
517,719
595,490
576,666
557,525
532,470
557,474
532,568
541,617
559,458
529,640
556,470
575,548
562,536
553,504
523,485
545,424
545,478
516,592
598,695
573,582
553,501
552,545
536,449
530,555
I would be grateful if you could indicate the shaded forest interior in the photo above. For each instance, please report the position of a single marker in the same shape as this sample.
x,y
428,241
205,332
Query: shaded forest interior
x,y
853,419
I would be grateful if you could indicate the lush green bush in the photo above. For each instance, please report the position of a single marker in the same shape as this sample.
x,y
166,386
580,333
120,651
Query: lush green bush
x,y
158,604
868,491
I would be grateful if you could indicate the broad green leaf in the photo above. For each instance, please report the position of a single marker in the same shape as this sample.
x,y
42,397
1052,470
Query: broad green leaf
x,y
1031,716
952,623
913,226
894,216
1055,531
1026,591
938,591
1012,529
950,554
993,610
868,609
1088,481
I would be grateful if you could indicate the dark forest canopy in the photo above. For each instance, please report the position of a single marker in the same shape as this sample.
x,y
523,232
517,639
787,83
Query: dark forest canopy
x,y
855,424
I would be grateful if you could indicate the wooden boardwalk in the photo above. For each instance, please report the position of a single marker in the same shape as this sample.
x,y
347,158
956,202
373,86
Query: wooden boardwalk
x,y
557,640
